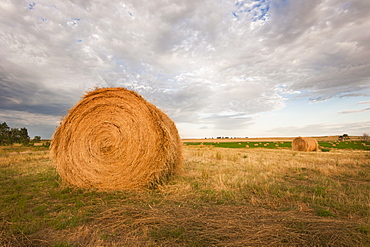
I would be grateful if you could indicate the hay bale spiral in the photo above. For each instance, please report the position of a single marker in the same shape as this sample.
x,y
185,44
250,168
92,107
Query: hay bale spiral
x,y
304,144
113,139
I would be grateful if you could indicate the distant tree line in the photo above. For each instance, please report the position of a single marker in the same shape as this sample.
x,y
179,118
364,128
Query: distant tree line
x,y
9,135
343,137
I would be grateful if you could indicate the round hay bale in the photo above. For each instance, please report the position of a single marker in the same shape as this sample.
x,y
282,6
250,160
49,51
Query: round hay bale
x,y
113,139
304,144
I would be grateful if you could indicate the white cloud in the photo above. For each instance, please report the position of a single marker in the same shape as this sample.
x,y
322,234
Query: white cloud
x,y
354,111
351,128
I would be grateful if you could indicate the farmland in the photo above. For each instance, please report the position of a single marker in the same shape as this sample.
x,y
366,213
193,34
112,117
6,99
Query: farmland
x,y
226,196
325,146
326,143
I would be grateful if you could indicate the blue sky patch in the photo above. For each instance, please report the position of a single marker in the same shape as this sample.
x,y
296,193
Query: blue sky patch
x,y
32,5
254,9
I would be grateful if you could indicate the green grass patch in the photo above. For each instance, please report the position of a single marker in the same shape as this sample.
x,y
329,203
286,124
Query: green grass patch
x,y
325,146
271,145
356,145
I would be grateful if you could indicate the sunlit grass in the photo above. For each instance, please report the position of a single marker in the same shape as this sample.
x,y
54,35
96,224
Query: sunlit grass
x,y
220,193
285,179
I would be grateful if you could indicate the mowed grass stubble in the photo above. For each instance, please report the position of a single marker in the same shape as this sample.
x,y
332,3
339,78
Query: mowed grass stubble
x,y
224,197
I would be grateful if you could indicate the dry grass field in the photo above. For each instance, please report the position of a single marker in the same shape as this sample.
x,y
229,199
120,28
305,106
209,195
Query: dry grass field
x,y
224,197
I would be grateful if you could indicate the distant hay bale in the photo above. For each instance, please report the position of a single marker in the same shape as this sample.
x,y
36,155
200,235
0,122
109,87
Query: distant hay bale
x,y
304,144
113,139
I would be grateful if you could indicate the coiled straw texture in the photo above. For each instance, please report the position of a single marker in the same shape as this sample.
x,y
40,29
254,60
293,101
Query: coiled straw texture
x,y
304,144
113,139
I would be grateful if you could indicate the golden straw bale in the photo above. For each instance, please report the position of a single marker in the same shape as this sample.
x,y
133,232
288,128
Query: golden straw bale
x,y
113,139
304,144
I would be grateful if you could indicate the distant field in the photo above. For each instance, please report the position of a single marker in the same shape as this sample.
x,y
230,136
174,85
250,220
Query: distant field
x,y
17,148
224,197
324,146
271,139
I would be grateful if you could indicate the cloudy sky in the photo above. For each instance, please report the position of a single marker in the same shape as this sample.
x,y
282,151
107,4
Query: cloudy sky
x,y
256,68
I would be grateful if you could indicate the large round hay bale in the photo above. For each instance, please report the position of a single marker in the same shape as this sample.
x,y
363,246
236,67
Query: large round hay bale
x,y
304,144
113,139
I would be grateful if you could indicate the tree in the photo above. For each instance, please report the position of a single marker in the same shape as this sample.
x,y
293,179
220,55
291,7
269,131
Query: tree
x,y
4,133
13,135
23,136
345,137
37,139
366,137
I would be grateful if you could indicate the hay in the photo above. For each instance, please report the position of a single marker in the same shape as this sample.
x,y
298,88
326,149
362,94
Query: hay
x,y
113,139
304,144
